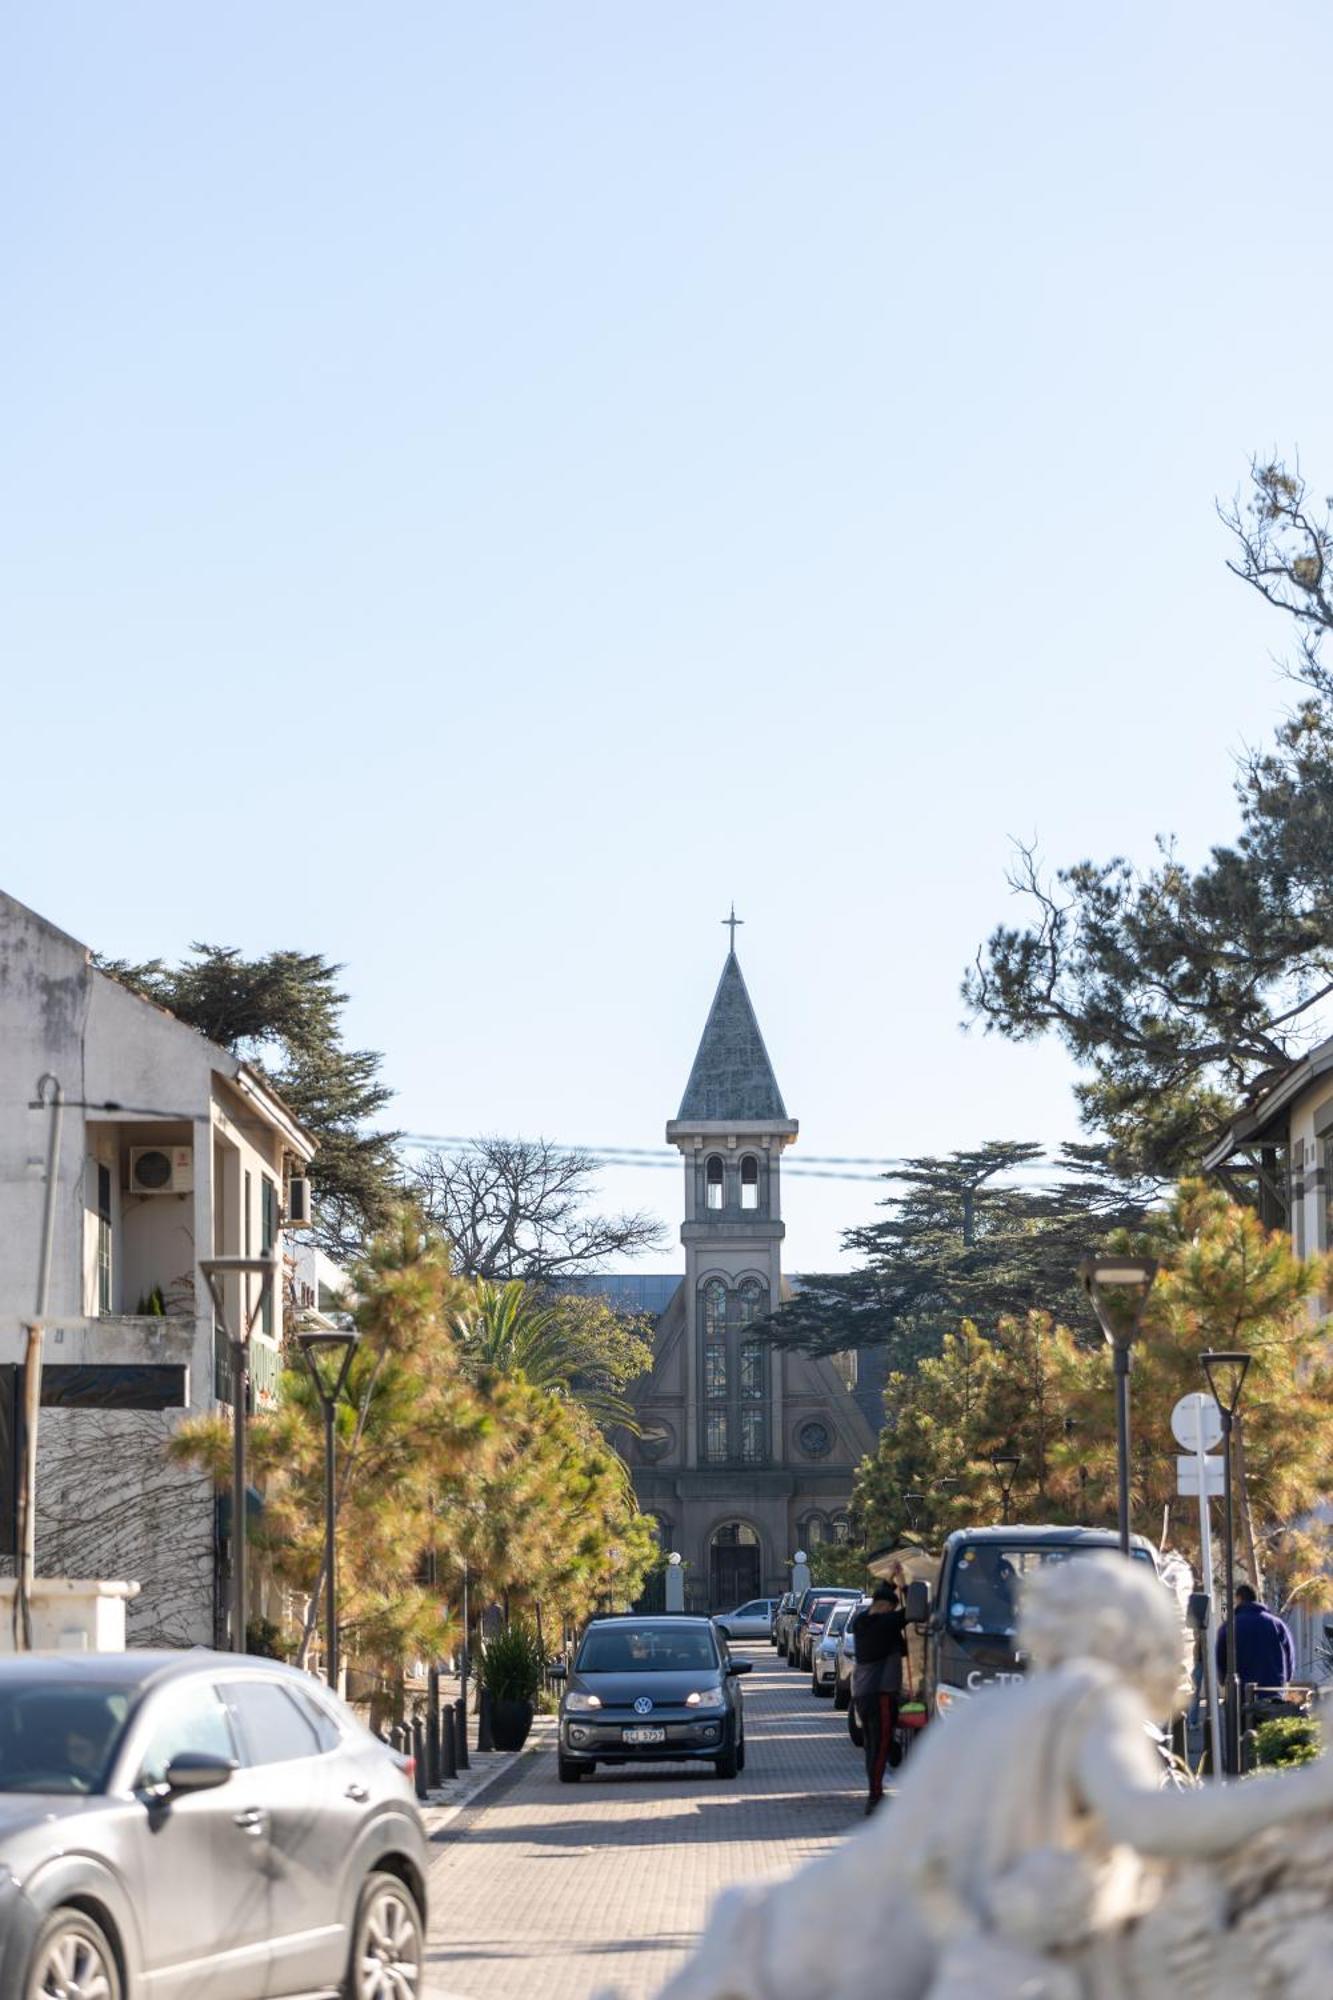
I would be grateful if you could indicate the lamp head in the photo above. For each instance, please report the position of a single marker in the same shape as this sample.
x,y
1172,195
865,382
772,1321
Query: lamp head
x,y
328,1355
216,1272
1118,1288
1226,1377
1006,1465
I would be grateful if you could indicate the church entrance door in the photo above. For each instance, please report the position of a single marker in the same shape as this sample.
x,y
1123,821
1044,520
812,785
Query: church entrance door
x,y
733,1566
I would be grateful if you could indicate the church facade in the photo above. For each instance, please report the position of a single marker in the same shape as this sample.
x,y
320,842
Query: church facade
x,y
746,1452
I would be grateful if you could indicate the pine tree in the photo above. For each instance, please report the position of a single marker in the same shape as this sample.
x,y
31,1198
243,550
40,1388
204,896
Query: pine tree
x,y
283,1013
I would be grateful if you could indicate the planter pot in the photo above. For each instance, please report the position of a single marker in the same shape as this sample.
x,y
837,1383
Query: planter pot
x,y
510,1723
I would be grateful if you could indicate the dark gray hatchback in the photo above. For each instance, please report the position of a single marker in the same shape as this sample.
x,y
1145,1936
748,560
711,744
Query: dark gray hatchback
x,y
649,1690
200,1823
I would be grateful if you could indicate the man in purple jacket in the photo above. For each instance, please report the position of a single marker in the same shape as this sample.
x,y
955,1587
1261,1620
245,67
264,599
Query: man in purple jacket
x,y
1265,1654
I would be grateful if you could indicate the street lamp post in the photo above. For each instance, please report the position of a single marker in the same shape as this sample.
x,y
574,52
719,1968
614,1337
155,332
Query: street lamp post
x,y
216,1272
1118,1288
1006,1464
328,1356
1226,1377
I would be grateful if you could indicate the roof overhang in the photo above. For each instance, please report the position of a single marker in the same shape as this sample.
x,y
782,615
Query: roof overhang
x,y
1262,1120
687,1132
266,1104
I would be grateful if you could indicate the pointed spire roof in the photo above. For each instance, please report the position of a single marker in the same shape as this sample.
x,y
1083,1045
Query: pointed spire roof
x,y
732,1079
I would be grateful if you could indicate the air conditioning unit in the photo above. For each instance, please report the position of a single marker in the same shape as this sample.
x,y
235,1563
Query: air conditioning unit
x,y
298,1203
161,1169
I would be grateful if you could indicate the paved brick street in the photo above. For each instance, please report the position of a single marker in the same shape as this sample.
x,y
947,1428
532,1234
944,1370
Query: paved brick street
x,y
558,1890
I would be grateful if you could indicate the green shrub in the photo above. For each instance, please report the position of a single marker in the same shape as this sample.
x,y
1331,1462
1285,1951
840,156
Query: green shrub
x,y
1287,1741
512,1665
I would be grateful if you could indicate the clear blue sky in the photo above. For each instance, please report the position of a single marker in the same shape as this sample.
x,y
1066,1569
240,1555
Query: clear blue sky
x,y
487,484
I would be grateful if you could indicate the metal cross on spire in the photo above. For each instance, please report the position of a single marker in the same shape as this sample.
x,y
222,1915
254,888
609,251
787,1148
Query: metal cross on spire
x,y
732,922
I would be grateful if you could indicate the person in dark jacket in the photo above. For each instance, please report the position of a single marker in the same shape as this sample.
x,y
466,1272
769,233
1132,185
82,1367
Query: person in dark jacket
x,y
879,1636
1265,1654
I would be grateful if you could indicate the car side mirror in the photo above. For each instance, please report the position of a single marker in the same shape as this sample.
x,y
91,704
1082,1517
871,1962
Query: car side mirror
x,y
196,1771
740,1666
917,1603
556,1670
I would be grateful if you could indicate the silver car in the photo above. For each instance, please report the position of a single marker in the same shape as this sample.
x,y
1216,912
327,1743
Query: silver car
x,y
824,1653
198,1823
752,1620
846,1660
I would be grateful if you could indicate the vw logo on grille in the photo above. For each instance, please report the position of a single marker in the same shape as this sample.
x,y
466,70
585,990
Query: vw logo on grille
x,y
643,1706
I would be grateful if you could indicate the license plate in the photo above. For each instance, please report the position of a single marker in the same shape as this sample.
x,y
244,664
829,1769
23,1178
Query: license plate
x,y
645,1736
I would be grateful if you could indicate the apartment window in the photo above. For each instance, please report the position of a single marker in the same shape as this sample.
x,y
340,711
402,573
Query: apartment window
x,y
268,1236
103,1239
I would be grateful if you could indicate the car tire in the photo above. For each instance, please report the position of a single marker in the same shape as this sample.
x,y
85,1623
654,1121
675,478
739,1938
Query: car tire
x,y
729,1763
388,1934
842,1697
568,1771
740,1754
72,1954
821,1688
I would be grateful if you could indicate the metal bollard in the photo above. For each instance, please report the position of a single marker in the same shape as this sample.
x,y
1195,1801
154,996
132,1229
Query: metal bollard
x,y
433,1765
448,1754
460,1732
485,1741
419,1756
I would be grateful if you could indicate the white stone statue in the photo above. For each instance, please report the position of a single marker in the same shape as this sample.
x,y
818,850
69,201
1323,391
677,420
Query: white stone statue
x,y
1032,1854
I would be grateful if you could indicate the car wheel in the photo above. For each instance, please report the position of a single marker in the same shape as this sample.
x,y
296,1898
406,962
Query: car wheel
x,y
729,1763
388,1946
740,1754
568,1771
841,1697
73,1958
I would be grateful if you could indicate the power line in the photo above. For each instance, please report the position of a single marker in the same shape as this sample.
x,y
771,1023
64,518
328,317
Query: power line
x,y
813,1167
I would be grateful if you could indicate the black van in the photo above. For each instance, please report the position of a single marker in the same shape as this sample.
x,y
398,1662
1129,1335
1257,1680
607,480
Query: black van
x,y
964,1625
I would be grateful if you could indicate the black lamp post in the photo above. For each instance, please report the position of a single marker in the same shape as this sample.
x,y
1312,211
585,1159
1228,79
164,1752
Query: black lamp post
x,y
1006,1464
1118,1288
1226,1378
328,1356
217,1270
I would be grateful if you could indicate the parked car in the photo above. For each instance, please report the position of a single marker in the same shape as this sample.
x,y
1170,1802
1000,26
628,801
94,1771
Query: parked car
x,y
824,1657
814,1616
752,1620
783,1620
846,1660
647,1690
200,1823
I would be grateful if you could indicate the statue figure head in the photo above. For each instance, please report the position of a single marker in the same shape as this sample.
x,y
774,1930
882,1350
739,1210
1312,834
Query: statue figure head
x,y
1104,1608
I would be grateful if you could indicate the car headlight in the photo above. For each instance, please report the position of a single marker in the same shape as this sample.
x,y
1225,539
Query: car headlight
x,y
947,1698
694,1700
577,1703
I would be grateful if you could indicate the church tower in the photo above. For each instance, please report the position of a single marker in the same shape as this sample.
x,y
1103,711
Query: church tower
x,y
746,1451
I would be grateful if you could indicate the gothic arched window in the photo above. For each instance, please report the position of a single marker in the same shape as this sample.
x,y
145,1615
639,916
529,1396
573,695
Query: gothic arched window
x,y
749,1182
713,1180
813,1530
733,1363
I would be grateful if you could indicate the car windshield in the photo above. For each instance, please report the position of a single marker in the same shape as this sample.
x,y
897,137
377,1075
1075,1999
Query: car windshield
x,y
841,1613
987,1580
646,1649
58,1738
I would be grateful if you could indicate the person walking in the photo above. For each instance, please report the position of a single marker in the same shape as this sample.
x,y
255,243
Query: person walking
x,y
879,1636
1265,1653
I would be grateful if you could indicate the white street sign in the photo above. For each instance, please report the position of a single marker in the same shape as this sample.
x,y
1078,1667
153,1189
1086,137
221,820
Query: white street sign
x,y
1187,1477
1196,1423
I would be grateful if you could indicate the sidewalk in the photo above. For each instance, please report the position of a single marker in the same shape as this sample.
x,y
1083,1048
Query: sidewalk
x,y
441,1806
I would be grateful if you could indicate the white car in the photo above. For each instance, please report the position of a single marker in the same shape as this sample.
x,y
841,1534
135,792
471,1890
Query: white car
x,y
824,1653
752,1620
